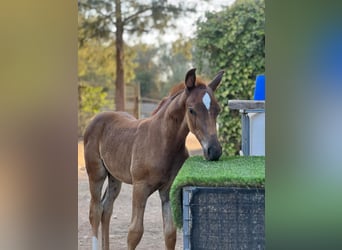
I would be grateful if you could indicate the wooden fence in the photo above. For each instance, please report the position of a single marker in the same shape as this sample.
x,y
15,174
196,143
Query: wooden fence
x,y
139,107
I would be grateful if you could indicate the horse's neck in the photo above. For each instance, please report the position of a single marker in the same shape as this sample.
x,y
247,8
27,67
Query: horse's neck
x,y
174,126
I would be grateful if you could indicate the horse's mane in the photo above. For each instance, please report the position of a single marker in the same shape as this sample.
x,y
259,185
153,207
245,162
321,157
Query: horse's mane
x,y
175,91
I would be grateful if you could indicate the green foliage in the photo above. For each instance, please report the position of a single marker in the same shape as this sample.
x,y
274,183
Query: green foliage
x,y
146,72
96,72
96,63
97,66
160,68
174,62
233,40
137,16
92,99
100,18
183,46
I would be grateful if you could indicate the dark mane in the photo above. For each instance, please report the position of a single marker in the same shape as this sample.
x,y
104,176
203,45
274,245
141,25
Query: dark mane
x,y
175,91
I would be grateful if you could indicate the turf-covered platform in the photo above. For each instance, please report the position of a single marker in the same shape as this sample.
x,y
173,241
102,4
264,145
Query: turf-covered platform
x,y
220,205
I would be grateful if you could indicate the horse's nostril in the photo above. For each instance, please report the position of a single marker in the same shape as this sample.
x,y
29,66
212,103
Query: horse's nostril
x,y
210,152
214,153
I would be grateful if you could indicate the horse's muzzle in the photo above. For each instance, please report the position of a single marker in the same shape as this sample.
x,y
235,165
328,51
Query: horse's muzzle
x,y
213,152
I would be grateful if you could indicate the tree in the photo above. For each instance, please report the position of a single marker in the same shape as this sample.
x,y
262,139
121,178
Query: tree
x,y
161,67
146,72
96,70
132,16
174,61
91,100
96,64
233,40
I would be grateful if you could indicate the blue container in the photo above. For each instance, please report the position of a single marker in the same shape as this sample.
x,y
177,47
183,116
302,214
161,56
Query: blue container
x,y
259,92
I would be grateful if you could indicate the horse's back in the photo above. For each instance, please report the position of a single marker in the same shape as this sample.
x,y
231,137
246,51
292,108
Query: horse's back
x,y
99,122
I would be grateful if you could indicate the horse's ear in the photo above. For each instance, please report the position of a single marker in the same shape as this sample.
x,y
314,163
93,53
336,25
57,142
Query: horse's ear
x,y
190,79
216,81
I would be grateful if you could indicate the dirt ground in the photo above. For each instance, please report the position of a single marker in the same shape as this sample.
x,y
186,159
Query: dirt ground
x,y
153,225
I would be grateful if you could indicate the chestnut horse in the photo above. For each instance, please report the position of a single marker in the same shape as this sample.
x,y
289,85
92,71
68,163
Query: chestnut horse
x,y
148,154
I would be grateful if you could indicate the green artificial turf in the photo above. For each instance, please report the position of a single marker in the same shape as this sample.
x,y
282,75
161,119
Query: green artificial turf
x,y
232,171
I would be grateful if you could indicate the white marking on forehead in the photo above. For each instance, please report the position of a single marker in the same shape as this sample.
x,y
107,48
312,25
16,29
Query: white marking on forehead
x,y
206,100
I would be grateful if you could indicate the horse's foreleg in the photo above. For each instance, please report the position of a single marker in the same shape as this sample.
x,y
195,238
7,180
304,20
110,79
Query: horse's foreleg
x,y
112,192
140,194
170,232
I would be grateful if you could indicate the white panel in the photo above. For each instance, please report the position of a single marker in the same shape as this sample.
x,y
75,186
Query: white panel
x,y
257,133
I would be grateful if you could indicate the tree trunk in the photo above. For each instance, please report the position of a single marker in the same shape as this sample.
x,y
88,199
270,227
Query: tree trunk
x,y
119,81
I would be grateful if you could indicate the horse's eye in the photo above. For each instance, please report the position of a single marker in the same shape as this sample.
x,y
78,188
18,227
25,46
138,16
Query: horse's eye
x,y
192,111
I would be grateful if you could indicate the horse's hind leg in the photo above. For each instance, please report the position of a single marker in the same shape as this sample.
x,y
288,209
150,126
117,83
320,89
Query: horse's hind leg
x,y
112,192
97,175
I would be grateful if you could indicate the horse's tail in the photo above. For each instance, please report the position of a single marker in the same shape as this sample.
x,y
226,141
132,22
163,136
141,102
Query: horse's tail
x,y
91,139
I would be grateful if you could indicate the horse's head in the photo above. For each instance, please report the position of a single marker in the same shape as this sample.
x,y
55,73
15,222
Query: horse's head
x,y
201,113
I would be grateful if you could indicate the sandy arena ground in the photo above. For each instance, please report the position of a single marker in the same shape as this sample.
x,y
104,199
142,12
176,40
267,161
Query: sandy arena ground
x,y
153,234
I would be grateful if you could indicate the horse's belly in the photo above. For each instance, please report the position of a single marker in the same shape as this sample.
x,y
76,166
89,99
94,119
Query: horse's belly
x,y
116,155
119,167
